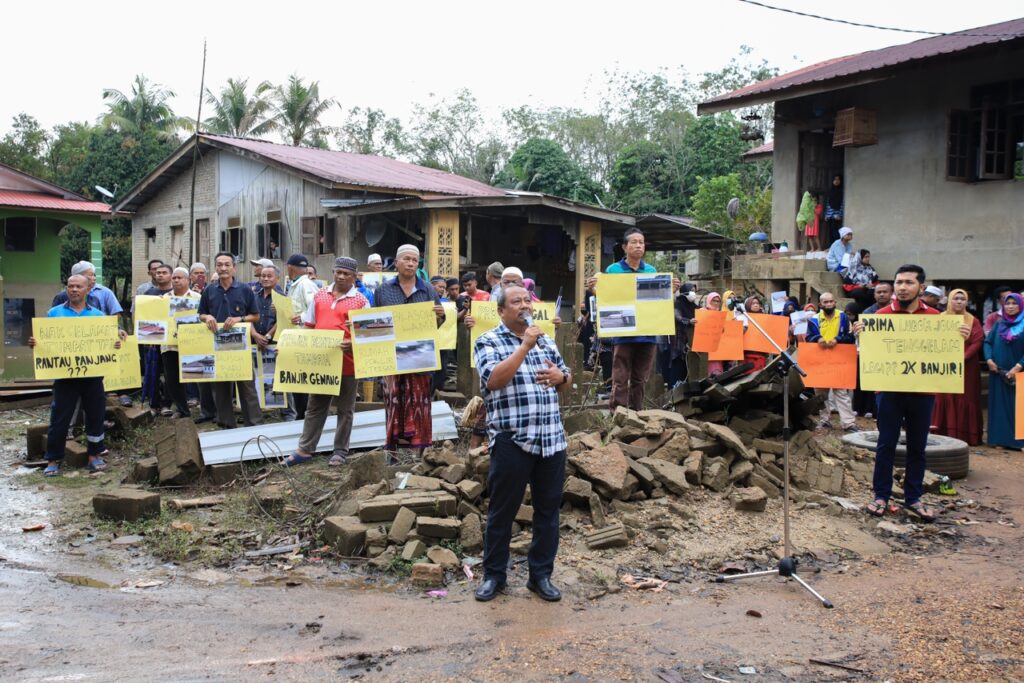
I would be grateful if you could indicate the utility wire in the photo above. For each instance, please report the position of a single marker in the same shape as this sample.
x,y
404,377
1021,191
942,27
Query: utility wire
x,y
875,26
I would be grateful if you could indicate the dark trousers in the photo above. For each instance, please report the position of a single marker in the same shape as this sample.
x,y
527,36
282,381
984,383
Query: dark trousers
x,y
66,395
175,389
224,398
207,408
912,412
631,368
511,470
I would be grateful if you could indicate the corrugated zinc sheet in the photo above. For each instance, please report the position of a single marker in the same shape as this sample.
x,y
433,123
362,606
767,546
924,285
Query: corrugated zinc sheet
x,y
44,202
364,170
865,62
225,445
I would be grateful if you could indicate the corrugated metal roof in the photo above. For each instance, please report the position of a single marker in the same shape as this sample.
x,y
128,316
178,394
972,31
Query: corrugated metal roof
x,y
363,170
45,202
864,63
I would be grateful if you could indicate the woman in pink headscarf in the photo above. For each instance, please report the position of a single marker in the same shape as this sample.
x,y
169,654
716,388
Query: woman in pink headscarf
x,y
530,287
713,302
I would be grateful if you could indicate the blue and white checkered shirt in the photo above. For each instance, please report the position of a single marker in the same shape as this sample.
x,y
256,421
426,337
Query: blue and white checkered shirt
x,y
523,407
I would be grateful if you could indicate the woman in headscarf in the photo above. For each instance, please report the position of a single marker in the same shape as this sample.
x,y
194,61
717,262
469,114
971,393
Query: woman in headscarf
x,y
834,208
531,287
758,359
860,278
959,415
713,302
1004,354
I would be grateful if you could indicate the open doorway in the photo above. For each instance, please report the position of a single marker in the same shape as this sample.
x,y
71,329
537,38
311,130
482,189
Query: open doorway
x,y
819,164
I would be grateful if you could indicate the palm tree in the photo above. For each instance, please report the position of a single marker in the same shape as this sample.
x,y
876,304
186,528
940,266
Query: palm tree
x,y
297,110
237,113
145,109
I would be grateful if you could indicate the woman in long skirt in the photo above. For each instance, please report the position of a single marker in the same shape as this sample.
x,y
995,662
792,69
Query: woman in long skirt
x,y
1004,353
959,415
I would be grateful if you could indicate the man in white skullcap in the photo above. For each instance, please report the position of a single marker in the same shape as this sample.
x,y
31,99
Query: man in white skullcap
x,y
375,263
407,397
841,249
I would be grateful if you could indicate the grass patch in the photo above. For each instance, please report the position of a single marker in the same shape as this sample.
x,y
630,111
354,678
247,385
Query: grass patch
x,y
398,567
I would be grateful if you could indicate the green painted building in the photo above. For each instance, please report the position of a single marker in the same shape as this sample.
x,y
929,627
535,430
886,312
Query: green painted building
x,y
32,214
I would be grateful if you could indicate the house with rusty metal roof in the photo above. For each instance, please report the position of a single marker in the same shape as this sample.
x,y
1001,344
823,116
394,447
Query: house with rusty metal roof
x,y
33,212
928,138
260,199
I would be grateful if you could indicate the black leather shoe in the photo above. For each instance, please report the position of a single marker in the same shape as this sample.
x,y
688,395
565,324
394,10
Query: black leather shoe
x,y
488,589
203,418
545,589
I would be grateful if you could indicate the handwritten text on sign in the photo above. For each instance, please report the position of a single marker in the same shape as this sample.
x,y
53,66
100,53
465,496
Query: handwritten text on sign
x,y
309,362
74,347
914,353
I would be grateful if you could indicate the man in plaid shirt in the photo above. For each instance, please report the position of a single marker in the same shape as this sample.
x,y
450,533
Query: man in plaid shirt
x,y
521,372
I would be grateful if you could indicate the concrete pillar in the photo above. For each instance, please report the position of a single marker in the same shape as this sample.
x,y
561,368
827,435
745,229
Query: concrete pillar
x,y
443,242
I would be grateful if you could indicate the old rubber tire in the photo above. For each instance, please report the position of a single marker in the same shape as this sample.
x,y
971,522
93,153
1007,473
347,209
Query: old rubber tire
x,y
943,455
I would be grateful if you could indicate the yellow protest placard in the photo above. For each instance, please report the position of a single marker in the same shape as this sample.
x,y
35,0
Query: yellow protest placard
x,y
205,357
634,304
283,311
913,353
485,318
74,347
152,320
544,315
129,372
395,340
309,362
448,332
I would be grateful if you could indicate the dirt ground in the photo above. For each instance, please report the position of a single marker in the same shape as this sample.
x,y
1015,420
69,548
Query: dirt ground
x,y
945,603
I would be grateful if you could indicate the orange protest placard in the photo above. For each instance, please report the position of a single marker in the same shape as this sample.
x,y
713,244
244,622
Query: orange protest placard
x,y
777,327
730,347
708,330
1019,411
834,368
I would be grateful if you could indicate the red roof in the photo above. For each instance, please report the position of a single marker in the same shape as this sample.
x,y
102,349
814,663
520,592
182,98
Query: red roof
x,y
790,84
362,170
46,202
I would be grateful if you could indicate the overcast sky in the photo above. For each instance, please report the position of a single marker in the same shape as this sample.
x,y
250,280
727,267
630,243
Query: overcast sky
x,y
59,56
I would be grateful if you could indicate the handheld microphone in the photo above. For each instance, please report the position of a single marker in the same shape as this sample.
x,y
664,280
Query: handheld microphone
x,y
735,305
528,319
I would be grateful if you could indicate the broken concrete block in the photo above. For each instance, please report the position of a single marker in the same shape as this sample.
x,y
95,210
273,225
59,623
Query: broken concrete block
x,y
427,574
676,449
471,533
441,456
768,446
35,439
384,508
762,483
421,483
627,417
437,527
613,536
413,549
376,540
453,474
671,476
589,420
643,473
347,534
727,438
693,466
145,470
75,454
405,520
470,489
524,515
131,418
219,475
631,451
178,453
577,491
751,499
128,505
520,544
715,475
444,557
741,469
605,466
596,510
668,417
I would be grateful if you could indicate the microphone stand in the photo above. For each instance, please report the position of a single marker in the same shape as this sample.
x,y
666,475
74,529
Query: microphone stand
x,y
787,565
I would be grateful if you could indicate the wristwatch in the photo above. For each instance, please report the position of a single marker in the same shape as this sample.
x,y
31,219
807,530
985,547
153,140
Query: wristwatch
x,y
565,378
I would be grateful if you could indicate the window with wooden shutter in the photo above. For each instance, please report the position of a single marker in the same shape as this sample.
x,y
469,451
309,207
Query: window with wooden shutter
x,y
995,143
958,146
261,242
310,235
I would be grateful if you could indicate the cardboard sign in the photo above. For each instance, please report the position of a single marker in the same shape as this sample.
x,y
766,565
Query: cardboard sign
x,y
264,363
284,312
777,328
730,347
913,353
129,371
152,320
834,368
485,318
1018,425
447,334
779,301
799,321
309,362
395,340
205,357
708,330
75,347
635,305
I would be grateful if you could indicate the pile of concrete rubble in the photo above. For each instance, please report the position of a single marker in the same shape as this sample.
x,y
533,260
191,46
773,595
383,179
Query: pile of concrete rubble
x,y
653,457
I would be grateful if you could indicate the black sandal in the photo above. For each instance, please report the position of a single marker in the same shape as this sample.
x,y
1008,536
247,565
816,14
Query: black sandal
x,y
921,511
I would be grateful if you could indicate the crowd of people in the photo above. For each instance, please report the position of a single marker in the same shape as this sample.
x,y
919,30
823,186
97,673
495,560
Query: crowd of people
x,y
521,371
